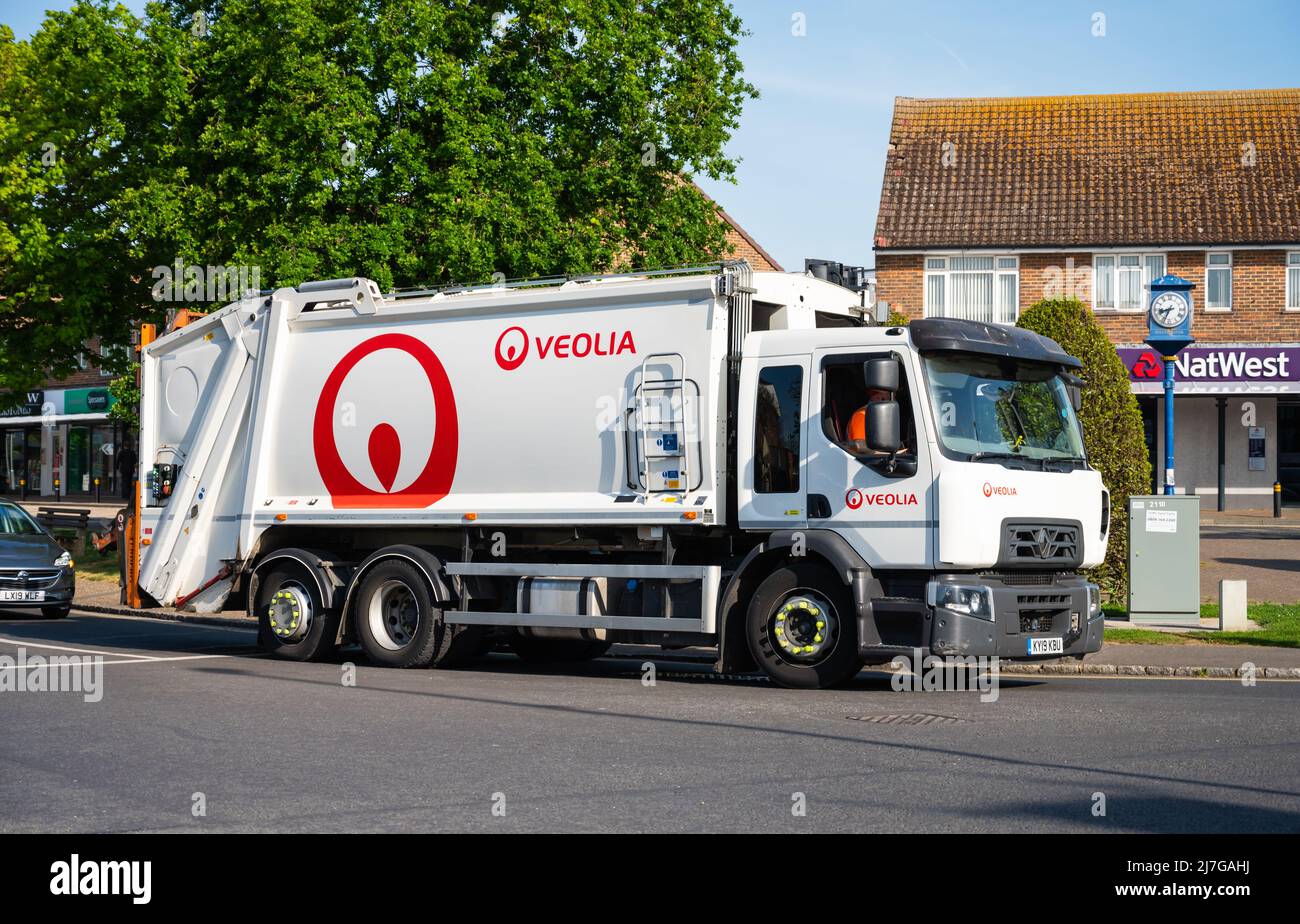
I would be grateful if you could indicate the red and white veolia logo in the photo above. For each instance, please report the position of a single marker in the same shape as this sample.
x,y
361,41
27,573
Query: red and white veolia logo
x,y
855,499
991,489
514,346
384,445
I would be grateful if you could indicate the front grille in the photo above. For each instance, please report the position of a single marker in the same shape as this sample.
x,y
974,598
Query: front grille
x,y
1048,544
36,577
1042,600
1037,622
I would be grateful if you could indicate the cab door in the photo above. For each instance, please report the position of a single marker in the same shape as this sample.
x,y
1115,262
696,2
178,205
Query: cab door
x,y
772,442
884,506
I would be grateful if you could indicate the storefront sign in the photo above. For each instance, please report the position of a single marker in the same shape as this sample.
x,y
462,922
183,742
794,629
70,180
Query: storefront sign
x,y
86,400
1266,365
30,408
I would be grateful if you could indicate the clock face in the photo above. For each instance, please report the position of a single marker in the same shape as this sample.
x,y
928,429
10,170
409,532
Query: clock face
x,y
1169,309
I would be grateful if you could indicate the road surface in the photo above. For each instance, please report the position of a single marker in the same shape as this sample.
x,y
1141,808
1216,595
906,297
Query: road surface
x,y
193,717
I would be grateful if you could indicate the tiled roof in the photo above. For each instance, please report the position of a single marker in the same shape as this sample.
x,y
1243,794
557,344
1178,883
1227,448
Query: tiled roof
x,y
1129,169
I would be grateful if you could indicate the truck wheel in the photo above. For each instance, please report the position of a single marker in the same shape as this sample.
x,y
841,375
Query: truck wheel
x,y
802,628
291,618
557,650
397,621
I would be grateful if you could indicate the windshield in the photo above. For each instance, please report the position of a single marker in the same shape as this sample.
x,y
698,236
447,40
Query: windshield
x,y
1002,408
14,521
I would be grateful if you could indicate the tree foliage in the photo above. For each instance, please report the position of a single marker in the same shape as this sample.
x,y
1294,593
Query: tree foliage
x,y
411,141
1111,420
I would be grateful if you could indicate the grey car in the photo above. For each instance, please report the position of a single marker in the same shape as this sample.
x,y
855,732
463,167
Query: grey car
x,y
35,571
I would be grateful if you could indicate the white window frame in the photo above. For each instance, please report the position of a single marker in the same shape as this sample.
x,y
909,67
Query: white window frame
x,y
1144,296
1220,309
1292,302
1004,264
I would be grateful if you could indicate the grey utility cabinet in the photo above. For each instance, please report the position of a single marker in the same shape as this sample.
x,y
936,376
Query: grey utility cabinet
x,y
1164,559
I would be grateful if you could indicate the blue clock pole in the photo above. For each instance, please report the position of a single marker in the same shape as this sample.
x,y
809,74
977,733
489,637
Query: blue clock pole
x,y
1169,329
1169,424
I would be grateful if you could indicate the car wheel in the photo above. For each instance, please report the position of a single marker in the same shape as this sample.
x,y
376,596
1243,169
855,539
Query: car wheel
x,y
55,612
802,628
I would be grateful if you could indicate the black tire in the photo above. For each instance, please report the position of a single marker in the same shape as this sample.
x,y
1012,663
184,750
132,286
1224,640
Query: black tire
x,y
557,650
55,612
316,639
397,620
835,659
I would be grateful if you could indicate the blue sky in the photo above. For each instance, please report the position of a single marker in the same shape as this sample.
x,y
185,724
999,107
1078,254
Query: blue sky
x,y
812,148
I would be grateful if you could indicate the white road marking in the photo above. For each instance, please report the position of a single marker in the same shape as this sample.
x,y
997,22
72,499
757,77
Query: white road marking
x,y
169,622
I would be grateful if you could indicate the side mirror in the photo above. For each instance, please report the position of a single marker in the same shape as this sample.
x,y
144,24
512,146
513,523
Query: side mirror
x,y
881,374
1076,397
884,426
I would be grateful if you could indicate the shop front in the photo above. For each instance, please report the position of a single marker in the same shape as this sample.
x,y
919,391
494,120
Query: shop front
x,y
1238,420
60,443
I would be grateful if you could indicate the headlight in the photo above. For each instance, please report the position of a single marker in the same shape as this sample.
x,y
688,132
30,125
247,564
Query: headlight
x,y
962,598
64,560
1094,600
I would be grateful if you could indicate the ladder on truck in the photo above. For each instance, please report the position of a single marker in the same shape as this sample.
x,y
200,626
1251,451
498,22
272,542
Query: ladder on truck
x,y
661,426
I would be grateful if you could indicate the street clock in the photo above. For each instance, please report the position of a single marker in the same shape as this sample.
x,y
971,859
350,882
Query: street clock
x,y
1169,329
1170,309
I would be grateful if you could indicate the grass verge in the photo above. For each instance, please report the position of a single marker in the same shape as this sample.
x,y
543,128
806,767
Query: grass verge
x,y
1279,627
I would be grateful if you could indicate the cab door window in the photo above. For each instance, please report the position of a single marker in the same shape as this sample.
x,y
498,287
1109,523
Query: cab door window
x,y
844,402
777,410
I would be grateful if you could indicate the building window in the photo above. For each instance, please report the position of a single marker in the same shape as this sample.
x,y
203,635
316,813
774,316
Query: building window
x,y
777,412
1122,281
978,288
1293,281
1218,281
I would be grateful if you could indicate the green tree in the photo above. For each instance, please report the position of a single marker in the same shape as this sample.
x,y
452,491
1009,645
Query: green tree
x,y
412,141
1112,422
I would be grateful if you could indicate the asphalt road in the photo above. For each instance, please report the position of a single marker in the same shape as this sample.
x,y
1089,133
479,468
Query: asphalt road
x,y
278,746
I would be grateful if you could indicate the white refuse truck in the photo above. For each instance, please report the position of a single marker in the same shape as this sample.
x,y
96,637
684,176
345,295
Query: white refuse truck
x,y
703,457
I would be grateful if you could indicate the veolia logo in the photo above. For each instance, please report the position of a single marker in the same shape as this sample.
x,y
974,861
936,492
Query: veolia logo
x,y
991,489
383,443
855,499
514,346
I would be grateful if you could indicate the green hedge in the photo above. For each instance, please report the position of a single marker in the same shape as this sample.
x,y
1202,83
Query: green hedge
x,y
1112,423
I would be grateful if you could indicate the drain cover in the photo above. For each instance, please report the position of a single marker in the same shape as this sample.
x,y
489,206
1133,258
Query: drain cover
x,y
908,718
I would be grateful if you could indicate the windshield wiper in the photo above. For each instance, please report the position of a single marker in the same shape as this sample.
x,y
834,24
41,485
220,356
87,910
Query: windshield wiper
x,y
1071,460
980,456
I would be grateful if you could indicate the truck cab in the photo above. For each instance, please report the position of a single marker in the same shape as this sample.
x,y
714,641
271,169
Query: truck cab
x,y
942,467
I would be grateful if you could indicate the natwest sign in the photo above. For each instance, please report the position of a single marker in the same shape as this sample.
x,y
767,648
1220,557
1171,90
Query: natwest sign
x,y
1266,365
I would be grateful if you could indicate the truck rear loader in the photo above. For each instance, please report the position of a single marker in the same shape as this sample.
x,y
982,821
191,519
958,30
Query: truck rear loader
x,y
702,457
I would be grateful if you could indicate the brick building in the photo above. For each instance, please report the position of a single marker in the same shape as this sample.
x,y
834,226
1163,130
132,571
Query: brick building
x,y
60,439
989,205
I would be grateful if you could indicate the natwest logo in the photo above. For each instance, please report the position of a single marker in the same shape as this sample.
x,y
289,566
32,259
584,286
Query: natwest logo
x,y
515,345
1001,490
855,499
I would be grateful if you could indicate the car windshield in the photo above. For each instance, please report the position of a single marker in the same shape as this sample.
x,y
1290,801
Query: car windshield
x,y
14,521
992,407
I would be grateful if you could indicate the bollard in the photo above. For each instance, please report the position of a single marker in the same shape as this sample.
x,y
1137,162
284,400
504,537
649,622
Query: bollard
x,y
97,490
22,487
56,489
1277,498
1232,606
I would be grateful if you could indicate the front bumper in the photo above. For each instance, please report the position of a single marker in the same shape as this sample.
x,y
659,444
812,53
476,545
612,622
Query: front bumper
x,y
58,592
1025,607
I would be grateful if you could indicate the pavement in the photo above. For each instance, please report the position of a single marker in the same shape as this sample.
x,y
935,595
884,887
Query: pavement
x,y
192,715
